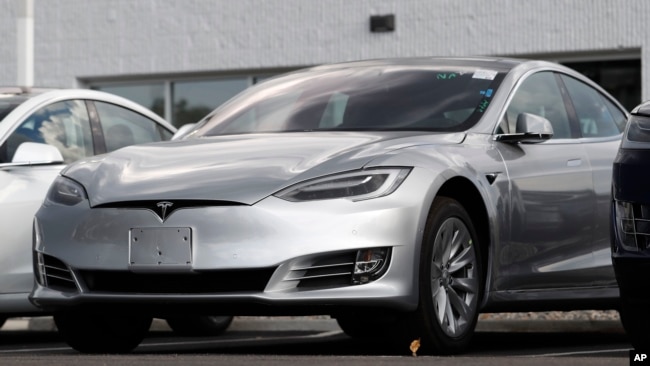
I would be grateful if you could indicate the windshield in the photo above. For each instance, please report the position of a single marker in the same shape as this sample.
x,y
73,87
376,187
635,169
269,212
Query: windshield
x,y
369,98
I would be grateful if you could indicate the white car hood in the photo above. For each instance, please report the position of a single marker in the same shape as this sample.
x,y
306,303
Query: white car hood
x,y
242,169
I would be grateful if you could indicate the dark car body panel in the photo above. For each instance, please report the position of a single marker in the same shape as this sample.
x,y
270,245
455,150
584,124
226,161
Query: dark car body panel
x,y
631,184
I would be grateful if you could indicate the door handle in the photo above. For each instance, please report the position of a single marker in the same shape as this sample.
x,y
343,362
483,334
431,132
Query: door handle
x,y
574,162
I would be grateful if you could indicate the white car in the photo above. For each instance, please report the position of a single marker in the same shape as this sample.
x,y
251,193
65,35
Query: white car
x,y
42,130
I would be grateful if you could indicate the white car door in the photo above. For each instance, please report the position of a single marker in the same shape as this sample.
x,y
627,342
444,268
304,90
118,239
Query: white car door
x,y
23,190
66,126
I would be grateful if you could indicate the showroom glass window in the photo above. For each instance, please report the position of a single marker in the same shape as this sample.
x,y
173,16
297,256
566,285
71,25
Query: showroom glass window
x,y
122,127
193,100
150,95
181,101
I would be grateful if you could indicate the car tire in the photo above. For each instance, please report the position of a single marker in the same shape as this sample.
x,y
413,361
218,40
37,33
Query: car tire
x,y
199,326
450,283
636,322
99,332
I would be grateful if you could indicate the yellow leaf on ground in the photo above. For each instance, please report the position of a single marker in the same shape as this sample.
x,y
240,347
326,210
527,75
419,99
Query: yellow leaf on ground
x,y
415,345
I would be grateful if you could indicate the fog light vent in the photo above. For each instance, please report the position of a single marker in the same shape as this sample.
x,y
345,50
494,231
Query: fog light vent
x,y
53,273
41,278
633,225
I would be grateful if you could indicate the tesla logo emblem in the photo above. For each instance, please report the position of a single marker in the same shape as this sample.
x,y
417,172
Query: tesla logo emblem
x,y
163,206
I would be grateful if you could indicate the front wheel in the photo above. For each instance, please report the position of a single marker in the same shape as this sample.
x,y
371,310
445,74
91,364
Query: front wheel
x,y
97,332
450,282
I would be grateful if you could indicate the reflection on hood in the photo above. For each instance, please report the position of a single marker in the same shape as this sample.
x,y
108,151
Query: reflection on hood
x,y
243,168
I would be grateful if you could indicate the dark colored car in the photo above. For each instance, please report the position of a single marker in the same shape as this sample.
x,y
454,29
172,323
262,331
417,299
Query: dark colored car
x,y
631,226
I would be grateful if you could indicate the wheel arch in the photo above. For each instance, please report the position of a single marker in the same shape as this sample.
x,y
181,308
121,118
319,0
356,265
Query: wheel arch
x,y
467,194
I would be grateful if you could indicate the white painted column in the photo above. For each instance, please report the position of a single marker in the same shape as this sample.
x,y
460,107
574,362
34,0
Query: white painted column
x,y
25,43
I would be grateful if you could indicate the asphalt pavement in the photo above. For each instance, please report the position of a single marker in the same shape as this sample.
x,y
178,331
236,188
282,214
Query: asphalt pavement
x,y
326,324
531,339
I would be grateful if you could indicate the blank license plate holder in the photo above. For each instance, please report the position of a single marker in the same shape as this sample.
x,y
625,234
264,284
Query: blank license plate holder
x,y
160,247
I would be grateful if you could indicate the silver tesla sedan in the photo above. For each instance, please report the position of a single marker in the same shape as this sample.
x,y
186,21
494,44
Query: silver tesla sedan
x,y
402,197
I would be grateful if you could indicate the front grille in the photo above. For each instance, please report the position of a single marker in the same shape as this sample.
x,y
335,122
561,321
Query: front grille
x,y
177,283
166,208
325,272
57,274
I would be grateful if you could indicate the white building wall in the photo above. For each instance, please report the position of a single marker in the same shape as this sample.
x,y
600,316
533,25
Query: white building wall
x,y
90,39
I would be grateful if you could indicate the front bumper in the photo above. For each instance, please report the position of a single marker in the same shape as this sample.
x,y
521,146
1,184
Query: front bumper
x,y
256,259
630,252
632,277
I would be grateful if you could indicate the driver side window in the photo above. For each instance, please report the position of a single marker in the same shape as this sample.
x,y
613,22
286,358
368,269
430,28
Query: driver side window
x,y
539,94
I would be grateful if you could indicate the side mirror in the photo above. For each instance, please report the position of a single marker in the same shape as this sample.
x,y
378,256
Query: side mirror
x,y
530,128
184,130
34,153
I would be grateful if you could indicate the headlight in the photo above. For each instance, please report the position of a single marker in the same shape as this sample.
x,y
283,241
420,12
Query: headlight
x,y
356,185
65,191
638,132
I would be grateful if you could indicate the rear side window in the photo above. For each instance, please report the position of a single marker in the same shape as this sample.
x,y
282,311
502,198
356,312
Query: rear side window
x,y
598,116
122,127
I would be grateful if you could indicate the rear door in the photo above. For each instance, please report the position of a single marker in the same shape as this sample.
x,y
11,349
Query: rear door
x,y
601,124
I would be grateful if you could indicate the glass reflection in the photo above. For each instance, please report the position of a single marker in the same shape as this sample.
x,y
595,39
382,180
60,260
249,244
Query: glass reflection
x,y
150,95
193,100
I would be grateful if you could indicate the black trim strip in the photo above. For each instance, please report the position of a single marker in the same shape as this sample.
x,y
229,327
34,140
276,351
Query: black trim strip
x,y
164,208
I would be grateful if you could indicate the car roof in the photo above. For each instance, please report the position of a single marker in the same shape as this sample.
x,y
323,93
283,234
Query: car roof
x,y
500,63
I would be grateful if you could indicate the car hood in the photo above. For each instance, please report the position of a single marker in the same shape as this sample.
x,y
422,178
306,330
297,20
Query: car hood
x,y
239,168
